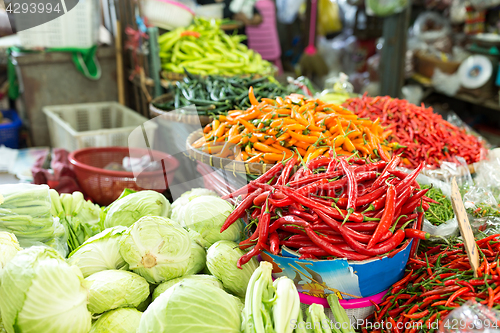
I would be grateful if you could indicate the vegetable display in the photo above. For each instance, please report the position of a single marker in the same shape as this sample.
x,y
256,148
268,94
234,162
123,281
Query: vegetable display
x,y
214,95
156,248
221,262
483,209
441,210
312,212
191,307
425,135
438,281
124,320
270,306
99,253
9,246
113,289
127,210
40,292
80,218
273,130
25,211
205,216
200,278
203,48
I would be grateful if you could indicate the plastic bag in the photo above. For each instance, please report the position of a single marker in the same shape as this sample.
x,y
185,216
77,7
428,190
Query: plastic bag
x,y
471,317
329,19
385,7
488,173
450,227
287,10
25,212
448,84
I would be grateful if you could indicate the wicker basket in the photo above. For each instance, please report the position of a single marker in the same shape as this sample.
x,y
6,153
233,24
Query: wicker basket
x,y
256,169
175,115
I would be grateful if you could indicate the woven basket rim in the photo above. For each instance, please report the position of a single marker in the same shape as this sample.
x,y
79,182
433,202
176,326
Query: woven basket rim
x,y
227,164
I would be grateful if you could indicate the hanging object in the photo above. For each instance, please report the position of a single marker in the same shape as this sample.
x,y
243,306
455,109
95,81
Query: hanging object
x,y
385,7
475,71
311,62
474,21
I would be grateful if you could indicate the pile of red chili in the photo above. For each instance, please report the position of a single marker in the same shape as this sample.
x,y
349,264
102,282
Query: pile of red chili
x,y
425,135
343,208
437,281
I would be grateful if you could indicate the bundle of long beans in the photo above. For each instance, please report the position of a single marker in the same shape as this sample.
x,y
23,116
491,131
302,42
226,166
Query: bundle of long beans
x,y
438,281
216,94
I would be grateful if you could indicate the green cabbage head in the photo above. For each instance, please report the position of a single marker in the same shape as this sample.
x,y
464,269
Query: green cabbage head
x,y
113,289
40,292
221,262
197,260
156,248
9,246
201,278
127,210
180,204
206,215
192,307
123,320
100,252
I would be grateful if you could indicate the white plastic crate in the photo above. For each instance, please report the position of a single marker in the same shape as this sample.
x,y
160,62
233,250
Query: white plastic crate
x,y
77,28
104,124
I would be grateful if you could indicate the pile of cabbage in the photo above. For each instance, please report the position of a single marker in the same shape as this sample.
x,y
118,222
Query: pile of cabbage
x,y
154,267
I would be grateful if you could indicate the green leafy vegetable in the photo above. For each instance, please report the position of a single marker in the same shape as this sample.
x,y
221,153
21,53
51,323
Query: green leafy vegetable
x,y
205,216
9,246
192,307
180,204
156,248
222,257
201,278
197,260
129,209
124,320
113,289
100,252
40,292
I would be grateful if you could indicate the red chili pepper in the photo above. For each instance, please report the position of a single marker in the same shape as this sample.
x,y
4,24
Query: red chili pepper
x,y
440,291
249,255
274,171
409,179
311,204
319,162
314,177
308,256
386,220
420,218
404,280
381,248
287,170
261,198
385,174
288,219
274,242
306,216
418,234
240,210
332,249
417,315
353,187
336,225
255,213
456,294
490,297
297,244
263,225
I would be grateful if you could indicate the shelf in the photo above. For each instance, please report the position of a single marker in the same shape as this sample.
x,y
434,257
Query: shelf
x,y
429,89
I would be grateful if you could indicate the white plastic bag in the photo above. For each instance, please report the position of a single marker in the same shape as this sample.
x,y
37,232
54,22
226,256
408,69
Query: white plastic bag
x,y
450,227
287,10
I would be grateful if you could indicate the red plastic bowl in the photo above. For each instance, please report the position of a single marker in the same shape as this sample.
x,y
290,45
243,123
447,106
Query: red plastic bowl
x,y
105,186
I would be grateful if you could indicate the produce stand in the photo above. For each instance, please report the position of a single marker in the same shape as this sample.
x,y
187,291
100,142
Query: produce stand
x,y
297,214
